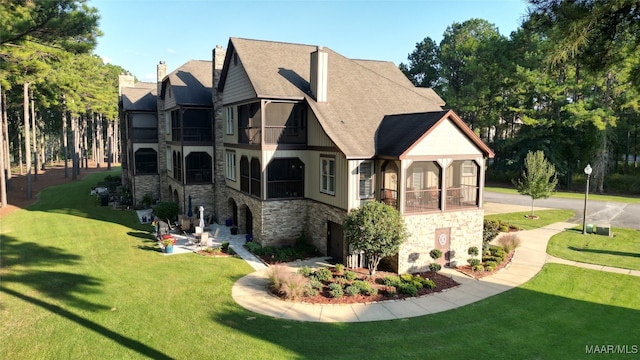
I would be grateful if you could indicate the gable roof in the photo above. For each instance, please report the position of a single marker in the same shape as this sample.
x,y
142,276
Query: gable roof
x,y
360,93
141,97
191,83
399,133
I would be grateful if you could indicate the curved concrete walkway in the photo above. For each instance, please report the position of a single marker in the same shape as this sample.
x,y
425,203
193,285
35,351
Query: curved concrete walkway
x,y
251,292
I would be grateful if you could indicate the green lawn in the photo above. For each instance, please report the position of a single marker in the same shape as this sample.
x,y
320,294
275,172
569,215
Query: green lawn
x,y
572,195
84,281
547,217
622,250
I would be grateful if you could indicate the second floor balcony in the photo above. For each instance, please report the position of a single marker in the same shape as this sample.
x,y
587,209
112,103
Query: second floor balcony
x,y
273,135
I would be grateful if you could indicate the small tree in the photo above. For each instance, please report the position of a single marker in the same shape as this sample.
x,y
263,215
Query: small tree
x,y
538,178
166,210
376,229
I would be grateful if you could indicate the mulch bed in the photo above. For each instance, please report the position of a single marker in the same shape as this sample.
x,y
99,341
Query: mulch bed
x,y
442,283
480,274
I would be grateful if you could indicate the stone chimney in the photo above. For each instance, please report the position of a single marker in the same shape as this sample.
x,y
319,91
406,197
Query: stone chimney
x,y
318,78
125,80
162,72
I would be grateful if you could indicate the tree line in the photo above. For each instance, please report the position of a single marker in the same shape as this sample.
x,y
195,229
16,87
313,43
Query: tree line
x,y
565,82
58,101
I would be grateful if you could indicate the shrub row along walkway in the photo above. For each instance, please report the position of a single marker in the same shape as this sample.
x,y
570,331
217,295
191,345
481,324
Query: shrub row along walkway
x,y
251,291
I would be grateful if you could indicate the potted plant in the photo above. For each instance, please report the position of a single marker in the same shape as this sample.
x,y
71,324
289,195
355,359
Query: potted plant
x,y
167,242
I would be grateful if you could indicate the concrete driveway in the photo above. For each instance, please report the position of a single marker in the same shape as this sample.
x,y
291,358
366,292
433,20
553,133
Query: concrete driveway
x,y
598,212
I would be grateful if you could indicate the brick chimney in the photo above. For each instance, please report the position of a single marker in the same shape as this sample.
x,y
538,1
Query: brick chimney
x,y
318,78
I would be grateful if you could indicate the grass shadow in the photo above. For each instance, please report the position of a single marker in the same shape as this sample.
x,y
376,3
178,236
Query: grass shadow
x,y
607,252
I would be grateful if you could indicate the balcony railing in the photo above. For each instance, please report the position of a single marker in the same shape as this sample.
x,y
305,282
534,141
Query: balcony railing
x,y
422,200
197,176
285,189
273,135
462,197
284,135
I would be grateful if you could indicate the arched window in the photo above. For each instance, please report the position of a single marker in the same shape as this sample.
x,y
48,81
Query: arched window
x,y
244,174
256,175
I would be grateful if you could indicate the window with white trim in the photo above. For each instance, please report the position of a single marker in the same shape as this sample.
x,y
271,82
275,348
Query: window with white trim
x,y
230,165
229,120
365,180
328,175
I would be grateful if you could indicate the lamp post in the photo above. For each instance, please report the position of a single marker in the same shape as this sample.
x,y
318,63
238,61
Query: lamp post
x,y
587,171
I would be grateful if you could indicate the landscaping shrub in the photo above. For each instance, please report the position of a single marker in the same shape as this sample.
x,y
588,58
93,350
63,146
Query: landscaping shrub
x,y
339,268
509,242
305,271
224,246
230,251
430,284
315,283
435,267
417,283
323,274
435,254
350,275
490,265
253,247
294,286
504,228
478,267
335,290
406,277
489,231
408,289
473,251
276,276
473,262
309,290
351,290
392,280
364,287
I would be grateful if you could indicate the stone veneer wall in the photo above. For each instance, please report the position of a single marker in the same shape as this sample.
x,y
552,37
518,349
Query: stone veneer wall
x,y
221,210
284,221
146,184
201,195
319,214
466,231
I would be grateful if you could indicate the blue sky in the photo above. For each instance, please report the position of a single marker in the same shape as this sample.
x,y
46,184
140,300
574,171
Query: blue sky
x,y
140,33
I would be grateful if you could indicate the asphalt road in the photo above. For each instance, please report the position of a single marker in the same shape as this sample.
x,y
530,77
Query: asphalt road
x,y
598,212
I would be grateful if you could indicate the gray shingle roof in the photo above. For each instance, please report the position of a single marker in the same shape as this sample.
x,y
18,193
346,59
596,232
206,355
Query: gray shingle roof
x,y
360,92
191,83
398,133
141,97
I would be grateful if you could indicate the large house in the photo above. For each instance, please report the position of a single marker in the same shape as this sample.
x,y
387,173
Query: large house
x,y
139,135
309,134
302,134
185,111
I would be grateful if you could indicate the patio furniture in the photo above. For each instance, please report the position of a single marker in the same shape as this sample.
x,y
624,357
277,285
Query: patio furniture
x,y
185,224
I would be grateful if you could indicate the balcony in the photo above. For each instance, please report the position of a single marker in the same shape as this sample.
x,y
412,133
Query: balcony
x,y
285,189
273,135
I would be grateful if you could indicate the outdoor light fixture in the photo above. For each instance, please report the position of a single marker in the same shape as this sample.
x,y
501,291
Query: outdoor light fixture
x,y
587,171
